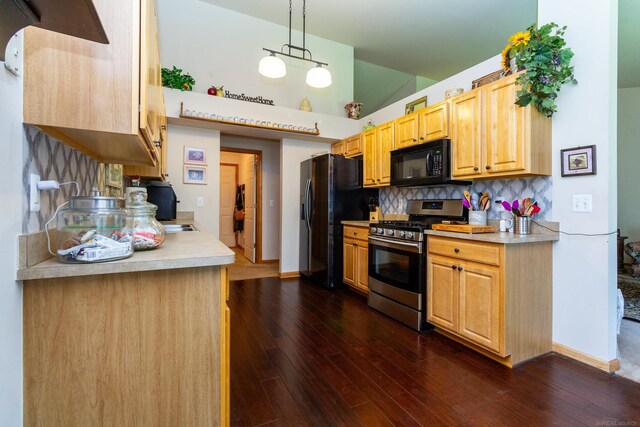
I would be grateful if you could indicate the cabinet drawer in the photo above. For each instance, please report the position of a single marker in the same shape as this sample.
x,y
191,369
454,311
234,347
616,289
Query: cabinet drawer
x,y
361,233
486,253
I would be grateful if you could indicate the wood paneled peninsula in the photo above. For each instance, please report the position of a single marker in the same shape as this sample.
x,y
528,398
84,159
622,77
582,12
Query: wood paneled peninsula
x,y
139,341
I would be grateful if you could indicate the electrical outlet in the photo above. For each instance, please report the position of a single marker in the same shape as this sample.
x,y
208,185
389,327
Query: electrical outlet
x,y
200,201
582,203
34,193
270,203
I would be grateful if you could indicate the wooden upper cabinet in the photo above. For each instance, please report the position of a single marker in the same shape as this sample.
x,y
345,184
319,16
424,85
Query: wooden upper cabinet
x,y
434,122
369,158
518,140
385,139
407,131
466,134
353,146
338,148
377,145
493,137
100,99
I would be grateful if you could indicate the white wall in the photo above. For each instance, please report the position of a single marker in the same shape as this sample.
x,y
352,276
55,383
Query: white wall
x,y
11,161
628,170
270,189
207,215
293,152
435,92
221,47
584,268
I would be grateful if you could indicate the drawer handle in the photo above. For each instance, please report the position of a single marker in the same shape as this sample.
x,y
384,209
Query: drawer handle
x,y
414,140
475,168
459,268
456,250
453,267
487,167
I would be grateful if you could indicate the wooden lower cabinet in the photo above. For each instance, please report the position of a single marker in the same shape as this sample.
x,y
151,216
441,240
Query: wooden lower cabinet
x,y
495,298
355,258
140,348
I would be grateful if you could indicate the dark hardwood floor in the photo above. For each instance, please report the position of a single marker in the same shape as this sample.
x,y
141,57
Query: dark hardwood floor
x,y
303,355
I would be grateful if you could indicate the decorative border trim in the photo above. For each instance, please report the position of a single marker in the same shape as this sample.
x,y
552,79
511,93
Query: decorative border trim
x,y
608,366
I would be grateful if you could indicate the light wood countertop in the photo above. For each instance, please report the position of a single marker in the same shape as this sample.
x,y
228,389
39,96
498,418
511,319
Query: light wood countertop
x,y
180,250
354,223
499,237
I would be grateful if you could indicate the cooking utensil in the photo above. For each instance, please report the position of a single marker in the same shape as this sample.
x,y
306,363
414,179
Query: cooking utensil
x,y
506,205
475,201
515,207
466,204
467,197
485,203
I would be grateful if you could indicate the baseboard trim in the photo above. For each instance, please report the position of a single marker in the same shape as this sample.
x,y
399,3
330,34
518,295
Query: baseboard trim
x,y
608,366
290,275
269,261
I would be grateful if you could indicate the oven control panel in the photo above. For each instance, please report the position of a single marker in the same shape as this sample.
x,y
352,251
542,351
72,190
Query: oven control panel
x,y
415,235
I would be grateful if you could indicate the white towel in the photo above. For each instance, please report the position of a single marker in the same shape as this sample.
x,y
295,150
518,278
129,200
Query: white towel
x,y
620,311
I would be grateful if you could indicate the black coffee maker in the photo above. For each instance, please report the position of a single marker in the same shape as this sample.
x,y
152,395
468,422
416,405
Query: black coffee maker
x,y
162,195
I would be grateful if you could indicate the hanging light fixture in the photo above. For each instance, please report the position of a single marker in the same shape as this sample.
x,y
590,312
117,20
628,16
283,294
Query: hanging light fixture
x,y
273,67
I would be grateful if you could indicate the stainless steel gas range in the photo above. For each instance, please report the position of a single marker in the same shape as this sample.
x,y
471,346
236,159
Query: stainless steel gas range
x,y
397,260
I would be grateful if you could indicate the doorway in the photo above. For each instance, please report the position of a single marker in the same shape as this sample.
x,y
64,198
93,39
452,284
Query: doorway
x,y
240,223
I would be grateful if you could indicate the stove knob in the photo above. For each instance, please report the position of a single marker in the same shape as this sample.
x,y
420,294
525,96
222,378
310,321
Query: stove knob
x,y
390,232
409,234
402,233
379,230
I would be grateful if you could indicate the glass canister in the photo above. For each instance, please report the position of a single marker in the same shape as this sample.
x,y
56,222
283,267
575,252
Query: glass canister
x,y
148,233
94,229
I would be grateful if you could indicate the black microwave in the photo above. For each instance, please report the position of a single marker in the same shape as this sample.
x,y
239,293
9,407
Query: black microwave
x,y
424,164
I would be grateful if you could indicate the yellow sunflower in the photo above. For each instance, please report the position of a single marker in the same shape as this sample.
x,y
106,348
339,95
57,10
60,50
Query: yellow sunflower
x,y
520,39
505,57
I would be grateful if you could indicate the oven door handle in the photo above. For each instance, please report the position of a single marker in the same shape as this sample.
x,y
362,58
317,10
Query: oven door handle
x,y
417,247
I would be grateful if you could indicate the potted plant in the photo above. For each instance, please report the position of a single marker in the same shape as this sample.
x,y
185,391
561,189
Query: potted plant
x,y
542,52
176,80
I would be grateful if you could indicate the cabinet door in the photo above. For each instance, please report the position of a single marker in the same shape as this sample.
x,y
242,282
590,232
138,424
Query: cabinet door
x,y
434,122
151,94
349,261
338,148
353,146
385,143
481,306
362,266
466,134
406,131
442,292
506,127
369,158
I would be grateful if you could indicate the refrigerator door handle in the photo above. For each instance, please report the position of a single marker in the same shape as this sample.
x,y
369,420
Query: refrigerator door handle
x,y
309,204
307,192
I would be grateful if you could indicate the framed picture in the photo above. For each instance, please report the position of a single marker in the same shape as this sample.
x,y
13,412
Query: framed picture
x,y
196,156
114,178
195,175
416,105
578,161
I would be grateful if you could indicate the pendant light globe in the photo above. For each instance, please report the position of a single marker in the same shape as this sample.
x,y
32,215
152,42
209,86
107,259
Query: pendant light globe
x,y
273,67
319,77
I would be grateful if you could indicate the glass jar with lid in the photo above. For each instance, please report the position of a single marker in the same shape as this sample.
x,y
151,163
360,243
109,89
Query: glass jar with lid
x,y
148,233
94,229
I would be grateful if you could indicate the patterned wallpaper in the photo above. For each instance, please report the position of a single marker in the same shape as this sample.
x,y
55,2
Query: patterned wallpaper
x,y
53,160
394,199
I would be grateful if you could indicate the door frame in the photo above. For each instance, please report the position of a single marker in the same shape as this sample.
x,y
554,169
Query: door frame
x,y
258,198
235,166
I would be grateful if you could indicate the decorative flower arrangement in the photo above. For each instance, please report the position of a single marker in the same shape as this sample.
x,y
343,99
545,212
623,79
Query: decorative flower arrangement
x,y
176,80
543,53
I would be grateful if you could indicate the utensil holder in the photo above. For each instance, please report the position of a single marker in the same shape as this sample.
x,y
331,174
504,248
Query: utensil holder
x,y
522,225
477,217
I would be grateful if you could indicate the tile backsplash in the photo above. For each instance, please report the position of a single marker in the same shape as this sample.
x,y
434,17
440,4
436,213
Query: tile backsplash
x,y
394,199
52,160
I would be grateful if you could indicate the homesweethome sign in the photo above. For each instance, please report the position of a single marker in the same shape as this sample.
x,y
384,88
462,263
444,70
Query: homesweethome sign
x,y
243,97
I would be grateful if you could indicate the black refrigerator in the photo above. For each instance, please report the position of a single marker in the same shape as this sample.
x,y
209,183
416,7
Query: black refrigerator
x,y
330,192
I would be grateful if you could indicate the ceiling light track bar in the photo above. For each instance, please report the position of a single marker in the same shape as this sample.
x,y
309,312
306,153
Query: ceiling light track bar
x,y
310,59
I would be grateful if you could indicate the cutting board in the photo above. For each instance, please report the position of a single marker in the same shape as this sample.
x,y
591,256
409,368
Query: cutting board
x,y
465,228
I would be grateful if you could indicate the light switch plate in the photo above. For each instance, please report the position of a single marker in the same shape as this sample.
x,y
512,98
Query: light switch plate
x,y
200,201
582,203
